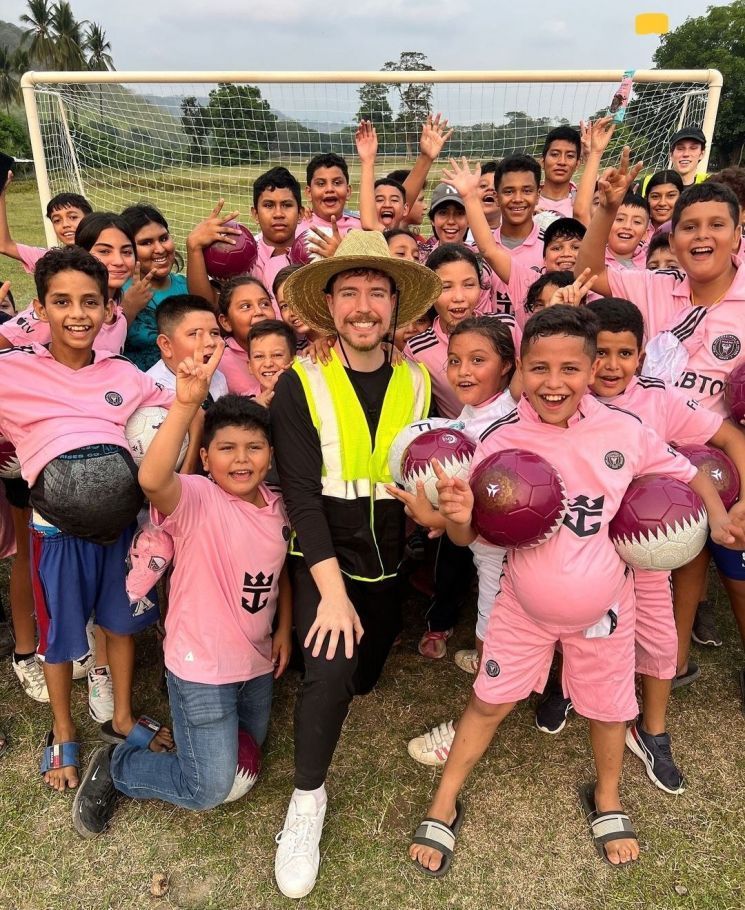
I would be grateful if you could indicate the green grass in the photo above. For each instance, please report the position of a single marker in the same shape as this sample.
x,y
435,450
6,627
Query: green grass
x,y
524,843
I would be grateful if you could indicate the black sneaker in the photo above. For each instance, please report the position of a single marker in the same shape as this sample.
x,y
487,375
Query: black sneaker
x,y
96,795
657,756
704,627
551,713
691,675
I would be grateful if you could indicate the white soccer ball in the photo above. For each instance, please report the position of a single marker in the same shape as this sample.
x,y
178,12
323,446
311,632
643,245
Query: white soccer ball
x,y
452,449
141,429
404,439
10,466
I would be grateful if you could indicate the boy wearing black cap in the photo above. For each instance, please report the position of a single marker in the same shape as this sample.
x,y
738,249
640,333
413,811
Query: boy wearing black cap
x,y
687,148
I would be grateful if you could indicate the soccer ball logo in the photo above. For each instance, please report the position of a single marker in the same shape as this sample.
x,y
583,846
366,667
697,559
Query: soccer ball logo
x,y
404,439
660,525
453,449
141,429
519,499
719,467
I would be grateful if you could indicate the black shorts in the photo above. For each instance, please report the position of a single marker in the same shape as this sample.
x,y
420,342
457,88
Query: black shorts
x,y
16,491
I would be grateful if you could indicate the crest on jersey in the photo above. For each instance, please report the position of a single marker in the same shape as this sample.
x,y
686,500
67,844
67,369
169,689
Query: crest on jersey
x,y
615,460
492,668
114,398
726,347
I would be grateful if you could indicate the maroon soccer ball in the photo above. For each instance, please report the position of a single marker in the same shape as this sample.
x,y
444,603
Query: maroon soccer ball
x,y
225,260
661,524
719,468
10,466
519,499
734,393
248,768
299,254
453,449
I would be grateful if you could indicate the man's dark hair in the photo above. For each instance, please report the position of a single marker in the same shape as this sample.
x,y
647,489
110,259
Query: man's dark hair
x,y
708,191
575,321
563,134
489,167
69,259
235,411
173,309
277,178
563,229
517,164
273,327
328,159
616,314
558,279
68,201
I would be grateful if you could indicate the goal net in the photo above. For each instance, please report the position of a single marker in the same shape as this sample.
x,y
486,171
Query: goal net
x,y
181,141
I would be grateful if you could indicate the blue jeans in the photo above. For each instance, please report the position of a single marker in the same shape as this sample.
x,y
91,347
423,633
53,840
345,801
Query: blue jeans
x,y
206,718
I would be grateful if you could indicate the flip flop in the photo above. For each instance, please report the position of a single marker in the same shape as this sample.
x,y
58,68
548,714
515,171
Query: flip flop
x,y
441,837
142,734
59,755
605,826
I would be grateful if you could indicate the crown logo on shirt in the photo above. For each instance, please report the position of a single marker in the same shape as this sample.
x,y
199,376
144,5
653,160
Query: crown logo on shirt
x,y
258,588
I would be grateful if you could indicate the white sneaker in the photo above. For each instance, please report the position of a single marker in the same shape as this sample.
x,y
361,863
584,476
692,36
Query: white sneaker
x,y
30,674
100,695
434,747
82,665
298,857
467,660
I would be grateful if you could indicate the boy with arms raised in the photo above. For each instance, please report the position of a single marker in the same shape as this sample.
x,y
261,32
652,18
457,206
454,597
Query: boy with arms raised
x,y
538,604
230,533
66,420
561,154
697,315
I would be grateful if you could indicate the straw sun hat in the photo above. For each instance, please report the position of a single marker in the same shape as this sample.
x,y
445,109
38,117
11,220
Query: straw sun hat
x,y
418,287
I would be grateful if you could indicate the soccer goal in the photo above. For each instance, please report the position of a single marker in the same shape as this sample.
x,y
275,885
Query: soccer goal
x,y
182,140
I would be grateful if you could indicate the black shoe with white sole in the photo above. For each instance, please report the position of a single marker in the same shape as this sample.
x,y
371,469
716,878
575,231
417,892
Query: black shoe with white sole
x,y
704,626
657,756
551,713
96,795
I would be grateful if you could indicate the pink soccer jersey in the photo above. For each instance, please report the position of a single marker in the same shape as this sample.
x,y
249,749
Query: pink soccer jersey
x,y
266,267
54,409
345,224
30,255
27,328
226,566
529,253
674,416
521,278
712,335
563,207
431,349
234,367
570,581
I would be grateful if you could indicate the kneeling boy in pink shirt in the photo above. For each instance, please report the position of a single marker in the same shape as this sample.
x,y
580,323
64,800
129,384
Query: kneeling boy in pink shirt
x,y
554,592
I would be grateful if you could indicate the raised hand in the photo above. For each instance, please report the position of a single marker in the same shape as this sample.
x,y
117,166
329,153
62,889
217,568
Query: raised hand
x,y
417,506
614,183
462,178
193,375
321,244
574,294
585,136
140,292
455,496
435,134
366,140
214,227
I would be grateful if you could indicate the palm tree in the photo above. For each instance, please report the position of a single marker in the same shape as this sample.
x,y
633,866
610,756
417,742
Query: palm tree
x,y
68,36
98,48
39,37
9,84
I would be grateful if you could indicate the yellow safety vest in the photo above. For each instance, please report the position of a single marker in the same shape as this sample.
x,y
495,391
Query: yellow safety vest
x,y
353,467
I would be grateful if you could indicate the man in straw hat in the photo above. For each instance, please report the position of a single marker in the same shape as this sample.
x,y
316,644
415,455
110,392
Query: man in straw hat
x,y
333,425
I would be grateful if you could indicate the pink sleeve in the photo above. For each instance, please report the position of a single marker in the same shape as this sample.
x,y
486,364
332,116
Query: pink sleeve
x,y
521,278
153,394
688,423
188,516
25,328
30,255
656,457
632,285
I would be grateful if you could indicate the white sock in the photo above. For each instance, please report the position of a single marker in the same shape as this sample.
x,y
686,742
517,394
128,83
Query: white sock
x,y
319,795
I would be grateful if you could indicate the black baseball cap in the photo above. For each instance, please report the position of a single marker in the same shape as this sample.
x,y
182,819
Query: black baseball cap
x,y
688,132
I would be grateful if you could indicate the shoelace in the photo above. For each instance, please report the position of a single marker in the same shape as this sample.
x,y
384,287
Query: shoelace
x,y
34,673
300,830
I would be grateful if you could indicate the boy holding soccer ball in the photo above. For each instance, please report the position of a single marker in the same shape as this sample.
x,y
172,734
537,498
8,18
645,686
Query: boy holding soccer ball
x,y
597,451
66,420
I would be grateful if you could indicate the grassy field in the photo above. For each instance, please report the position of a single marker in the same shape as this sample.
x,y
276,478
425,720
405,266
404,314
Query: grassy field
x,y
524,843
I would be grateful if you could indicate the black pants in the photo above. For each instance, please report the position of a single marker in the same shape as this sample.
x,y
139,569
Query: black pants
x,y
454,572
328,686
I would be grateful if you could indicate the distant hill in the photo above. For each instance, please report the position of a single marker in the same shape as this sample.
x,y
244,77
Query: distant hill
x,y
10,35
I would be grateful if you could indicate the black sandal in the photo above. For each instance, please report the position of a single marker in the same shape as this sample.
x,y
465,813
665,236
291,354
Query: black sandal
x,y
605,826
441,837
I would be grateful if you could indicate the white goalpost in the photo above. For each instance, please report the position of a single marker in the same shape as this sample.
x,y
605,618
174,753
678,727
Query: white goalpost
x,y
181,140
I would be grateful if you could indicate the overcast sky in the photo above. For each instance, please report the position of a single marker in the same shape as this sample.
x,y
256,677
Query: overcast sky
x,y
363,34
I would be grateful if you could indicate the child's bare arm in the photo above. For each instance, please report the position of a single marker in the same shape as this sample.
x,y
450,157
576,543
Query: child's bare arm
x,y
191,459
435,134
213,228
157,475
613,186
366,140
599,133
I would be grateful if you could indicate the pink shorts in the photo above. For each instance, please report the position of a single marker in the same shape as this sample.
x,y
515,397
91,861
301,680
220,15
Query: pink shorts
x,y
598,673
656,636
